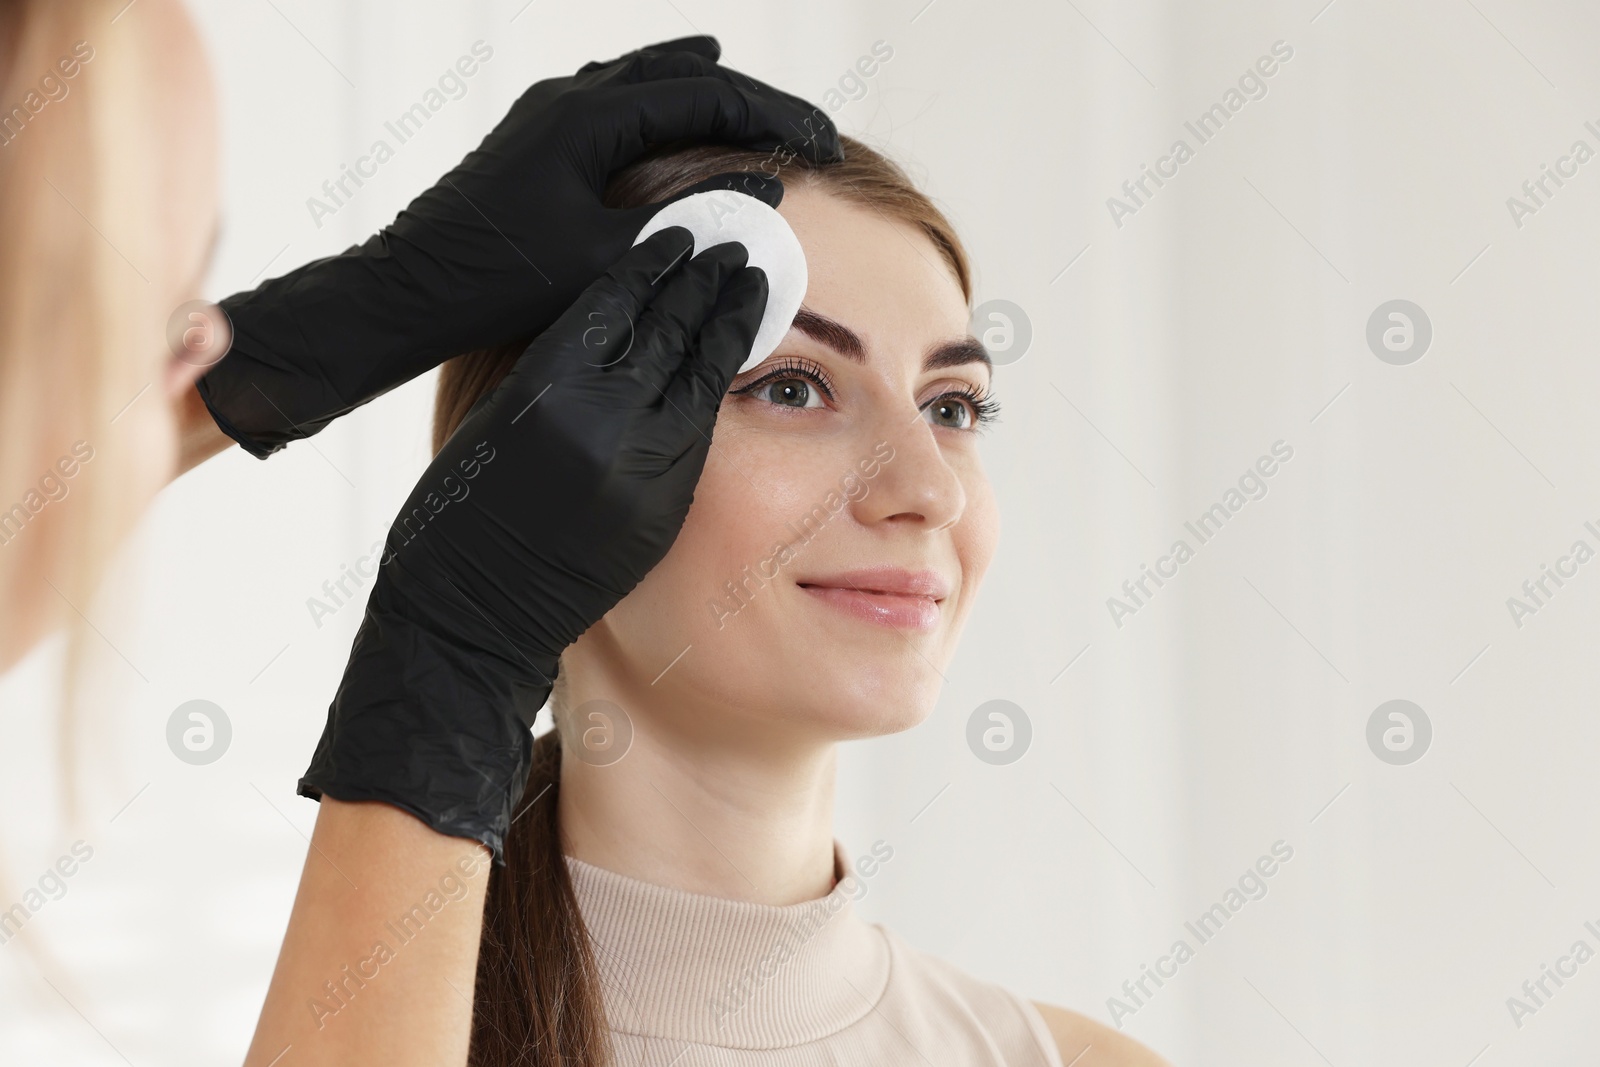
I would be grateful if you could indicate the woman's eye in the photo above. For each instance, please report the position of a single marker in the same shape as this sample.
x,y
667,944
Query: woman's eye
x,y
791,392
948,411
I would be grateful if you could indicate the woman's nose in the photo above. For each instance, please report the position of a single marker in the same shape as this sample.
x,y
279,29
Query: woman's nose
x,y
914,484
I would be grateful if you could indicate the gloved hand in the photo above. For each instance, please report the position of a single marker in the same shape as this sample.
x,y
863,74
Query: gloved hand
x,y
499,248
560,490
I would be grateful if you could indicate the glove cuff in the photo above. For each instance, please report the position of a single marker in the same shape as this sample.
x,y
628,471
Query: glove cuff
x,y
489,832
426,725
244,440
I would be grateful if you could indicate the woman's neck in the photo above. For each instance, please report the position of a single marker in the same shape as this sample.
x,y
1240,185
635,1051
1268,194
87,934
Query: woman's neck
x,y
743,818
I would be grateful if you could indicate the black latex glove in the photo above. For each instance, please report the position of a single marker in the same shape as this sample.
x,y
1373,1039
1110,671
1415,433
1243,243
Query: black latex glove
x,y
498,249
557,494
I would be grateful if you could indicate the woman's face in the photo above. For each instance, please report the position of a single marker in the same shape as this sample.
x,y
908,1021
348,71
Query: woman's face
x,y
843,521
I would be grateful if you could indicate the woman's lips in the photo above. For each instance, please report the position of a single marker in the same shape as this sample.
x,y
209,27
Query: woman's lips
x,y
887,596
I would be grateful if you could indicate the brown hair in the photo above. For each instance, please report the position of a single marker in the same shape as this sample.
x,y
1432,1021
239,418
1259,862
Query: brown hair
x,y
538,989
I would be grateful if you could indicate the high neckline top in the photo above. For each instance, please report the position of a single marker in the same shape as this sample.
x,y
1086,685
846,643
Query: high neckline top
x,y
722,981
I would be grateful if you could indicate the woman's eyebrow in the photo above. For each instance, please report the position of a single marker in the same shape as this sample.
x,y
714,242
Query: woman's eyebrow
x,y
836,335
845,341
956,354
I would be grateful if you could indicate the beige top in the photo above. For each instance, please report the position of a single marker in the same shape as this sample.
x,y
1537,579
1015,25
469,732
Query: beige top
x,y
692,979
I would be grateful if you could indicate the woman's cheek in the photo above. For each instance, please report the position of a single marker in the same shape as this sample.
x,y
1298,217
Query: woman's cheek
x,y
763,479
977,535
732,521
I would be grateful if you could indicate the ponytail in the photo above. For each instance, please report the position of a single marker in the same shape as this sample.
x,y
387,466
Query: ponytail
x,y
538,995
538,999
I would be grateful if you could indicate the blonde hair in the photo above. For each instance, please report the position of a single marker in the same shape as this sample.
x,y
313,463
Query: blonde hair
x,y
80,327
75,337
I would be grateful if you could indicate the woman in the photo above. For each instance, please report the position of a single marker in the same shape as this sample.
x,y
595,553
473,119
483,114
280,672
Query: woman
x,y
671,889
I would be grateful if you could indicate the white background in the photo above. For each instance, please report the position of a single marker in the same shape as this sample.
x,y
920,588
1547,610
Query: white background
x,y
1224,716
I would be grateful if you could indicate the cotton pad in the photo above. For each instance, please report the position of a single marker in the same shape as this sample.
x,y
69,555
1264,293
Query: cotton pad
x,y
725,215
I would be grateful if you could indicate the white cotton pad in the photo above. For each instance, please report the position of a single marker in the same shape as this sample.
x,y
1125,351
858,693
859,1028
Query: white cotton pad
x,y
725,215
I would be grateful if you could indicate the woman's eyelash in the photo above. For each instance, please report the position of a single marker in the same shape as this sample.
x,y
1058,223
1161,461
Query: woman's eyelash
x,y
985,408
792,368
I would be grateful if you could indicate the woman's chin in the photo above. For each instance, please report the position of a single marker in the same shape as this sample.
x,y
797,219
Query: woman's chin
x,y
859,714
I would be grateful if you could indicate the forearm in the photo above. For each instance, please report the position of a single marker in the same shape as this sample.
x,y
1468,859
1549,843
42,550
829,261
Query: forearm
x,y
198,436
379,959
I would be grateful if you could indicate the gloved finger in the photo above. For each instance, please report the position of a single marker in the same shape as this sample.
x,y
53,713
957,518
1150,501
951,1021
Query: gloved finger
x,y
605,318
656,66
661,66
709,108
696,391
651,66
702,44
666,332
630,284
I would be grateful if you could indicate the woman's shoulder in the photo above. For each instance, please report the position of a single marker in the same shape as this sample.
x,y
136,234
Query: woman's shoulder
x,y
1083,1042
1023,1030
